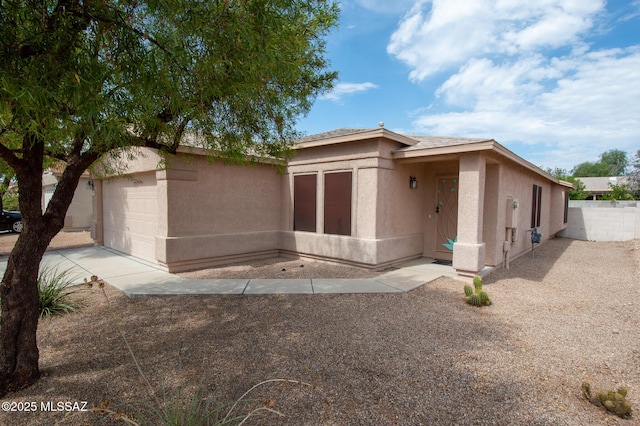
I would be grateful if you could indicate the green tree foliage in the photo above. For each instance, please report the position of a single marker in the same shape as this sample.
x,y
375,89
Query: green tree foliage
x,y
617,160
618,192
578,193
80,78
634,175
611,163
6,177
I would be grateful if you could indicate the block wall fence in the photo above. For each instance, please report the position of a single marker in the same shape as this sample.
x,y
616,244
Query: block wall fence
x,y
603,221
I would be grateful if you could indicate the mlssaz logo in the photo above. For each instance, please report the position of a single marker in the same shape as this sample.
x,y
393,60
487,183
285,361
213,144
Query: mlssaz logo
x,y
64,406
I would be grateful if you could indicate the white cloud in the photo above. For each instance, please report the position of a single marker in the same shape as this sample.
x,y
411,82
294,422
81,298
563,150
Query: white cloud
x,y
635,11
448,34
523,73
341,90
438,35
592,105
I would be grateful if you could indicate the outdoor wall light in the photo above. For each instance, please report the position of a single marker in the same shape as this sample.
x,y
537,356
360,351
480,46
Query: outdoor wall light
x,y
90,185
515,204
413,182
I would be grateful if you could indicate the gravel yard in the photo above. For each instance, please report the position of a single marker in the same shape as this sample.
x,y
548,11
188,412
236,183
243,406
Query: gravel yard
x,y
281,267
60,241
570,314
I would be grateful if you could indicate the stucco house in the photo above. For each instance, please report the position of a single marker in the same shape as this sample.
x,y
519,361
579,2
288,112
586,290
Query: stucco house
x,y
365,197
79,214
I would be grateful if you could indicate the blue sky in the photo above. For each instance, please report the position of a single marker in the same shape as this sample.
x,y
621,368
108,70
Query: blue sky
x,y
555,81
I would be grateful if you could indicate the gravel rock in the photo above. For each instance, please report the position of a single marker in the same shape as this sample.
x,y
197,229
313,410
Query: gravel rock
x,y
61,241
419,358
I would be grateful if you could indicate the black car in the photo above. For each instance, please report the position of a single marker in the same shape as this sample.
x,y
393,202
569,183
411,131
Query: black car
x,y
11,221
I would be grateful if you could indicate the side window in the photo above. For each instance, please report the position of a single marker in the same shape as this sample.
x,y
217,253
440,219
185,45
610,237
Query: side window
x,y
337,203
304,203
536,200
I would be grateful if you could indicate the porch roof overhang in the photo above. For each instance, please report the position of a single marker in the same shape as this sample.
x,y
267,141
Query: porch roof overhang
x,y
349,135
430,148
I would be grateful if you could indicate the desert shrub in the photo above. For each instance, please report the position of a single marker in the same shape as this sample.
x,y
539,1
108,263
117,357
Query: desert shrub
x,y
54,292
175,408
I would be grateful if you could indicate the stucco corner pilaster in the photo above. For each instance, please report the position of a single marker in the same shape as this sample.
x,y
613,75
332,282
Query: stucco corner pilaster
x,y
161,249
468,258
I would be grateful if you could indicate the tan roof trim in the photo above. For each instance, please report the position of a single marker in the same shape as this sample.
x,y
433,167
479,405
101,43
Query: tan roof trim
x,y
250,158
521,161
358,136
487,145
443,150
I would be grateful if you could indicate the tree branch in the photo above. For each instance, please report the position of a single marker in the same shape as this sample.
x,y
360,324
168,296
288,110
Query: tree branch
x,y
57,155
76,146
179,132
10,157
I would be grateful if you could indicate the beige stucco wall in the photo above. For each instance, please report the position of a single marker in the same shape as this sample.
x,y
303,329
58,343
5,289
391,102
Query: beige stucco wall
x,y
359,158
80,212
204,213
515,183
504,182
216,211
559,195
493,221
213,213
387,216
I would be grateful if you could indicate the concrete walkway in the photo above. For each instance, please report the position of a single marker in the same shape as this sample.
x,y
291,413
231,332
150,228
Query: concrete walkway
x,y
136,277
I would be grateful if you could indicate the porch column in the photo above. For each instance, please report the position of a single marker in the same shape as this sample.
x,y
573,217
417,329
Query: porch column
x,y
469,250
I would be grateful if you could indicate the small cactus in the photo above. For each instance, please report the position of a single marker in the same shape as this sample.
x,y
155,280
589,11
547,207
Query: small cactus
x,y
475,300
586,390
602,396
614,402
477,283
477,297
622,391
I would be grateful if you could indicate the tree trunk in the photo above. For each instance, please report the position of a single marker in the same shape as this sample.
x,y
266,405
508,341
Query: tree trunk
x,y
20,314
19,299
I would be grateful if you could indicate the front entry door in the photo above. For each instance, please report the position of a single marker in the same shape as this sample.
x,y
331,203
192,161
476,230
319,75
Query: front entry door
x,y
446,216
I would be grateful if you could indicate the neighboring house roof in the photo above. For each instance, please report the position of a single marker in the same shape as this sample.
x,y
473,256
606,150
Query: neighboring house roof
x,y
601,184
